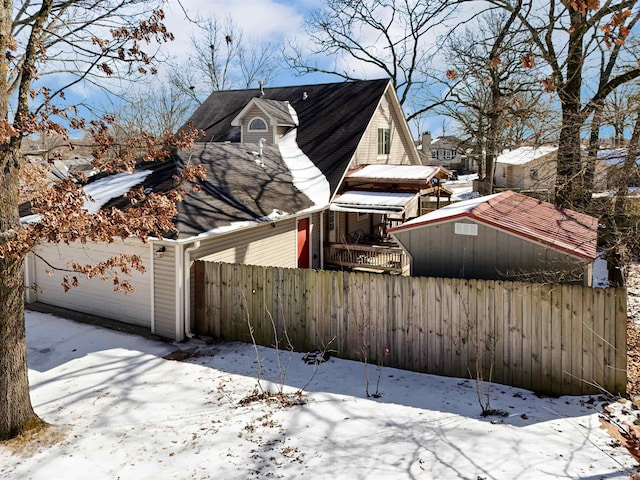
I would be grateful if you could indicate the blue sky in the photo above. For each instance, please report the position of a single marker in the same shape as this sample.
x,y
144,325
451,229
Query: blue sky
x,y
263,20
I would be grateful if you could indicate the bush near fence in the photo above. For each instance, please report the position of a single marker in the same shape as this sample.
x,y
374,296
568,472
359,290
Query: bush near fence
x,y
554,339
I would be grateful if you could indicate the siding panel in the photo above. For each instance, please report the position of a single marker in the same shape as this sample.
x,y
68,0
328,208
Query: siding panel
x,y
95,296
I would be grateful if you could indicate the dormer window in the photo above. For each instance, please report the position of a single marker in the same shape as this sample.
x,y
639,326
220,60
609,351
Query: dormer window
x,y
257,125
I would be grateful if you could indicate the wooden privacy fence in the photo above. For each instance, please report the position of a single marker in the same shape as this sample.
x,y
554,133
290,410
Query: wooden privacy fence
x,y
556,339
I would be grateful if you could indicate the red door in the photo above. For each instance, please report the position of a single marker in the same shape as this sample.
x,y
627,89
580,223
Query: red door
x,y
303,243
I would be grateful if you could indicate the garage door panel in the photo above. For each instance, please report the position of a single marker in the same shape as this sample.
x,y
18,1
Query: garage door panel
x,y
94,296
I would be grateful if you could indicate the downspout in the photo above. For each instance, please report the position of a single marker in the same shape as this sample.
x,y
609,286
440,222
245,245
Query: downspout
x,y
152,262
187,288
179,297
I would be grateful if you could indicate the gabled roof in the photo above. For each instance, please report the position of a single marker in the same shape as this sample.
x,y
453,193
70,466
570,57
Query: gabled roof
x,y
332,119
279,113
523,155
563,229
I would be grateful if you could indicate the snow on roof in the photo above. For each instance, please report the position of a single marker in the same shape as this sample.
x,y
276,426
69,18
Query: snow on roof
x,y
371,198
523,155
614,156
564,229
395,172
272,217
452,210
306,176
113,186
103,190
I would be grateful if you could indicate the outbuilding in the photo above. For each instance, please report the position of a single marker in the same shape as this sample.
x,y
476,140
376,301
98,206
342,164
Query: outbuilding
x,y
506,236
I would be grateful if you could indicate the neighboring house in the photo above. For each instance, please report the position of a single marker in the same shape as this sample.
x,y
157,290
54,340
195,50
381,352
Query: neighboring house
x,y
505,236
450,152
613,161
275,159
534,169
527,168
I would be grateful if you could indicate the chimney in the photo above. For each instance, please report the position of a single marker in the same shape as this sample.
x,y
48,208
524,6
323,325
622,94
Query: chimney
x,y
426,145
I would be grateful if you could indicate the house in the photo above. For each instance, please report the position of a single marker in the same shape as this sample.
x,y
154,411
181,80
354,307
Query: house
x,y
275,159
450,152
505,236
527,168
612,161
533,168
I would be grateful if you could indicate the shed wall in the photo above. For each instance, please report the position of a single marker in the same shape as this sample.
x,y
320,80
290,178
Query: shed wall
x,y
493,254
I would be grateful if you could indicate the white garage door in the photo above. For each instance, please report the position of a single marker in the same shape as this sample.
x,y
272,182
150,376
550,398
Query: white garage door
x,y
95,296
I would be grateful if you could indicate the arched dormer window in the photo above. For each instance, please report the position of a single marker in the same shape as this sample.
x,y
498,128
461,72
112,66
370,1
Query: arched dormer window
x,y
257,125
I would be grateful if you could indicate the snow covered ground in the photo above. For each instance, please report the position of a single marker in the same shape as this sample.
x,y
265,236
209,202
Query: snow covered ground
x,y
126,412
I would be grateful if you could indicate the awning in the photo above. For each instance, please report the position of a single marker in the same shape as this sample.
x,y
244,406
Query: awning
x,y
392,204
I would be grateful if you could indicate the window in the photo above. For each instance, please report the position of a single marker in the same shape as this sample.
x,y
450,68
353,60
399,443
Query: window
x,y
257,125
332,220
448,154
384,141
470,229
434,154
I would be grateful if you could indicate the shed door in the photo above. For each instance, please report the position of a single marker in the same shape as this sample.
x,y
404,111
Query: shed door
x,y
303,243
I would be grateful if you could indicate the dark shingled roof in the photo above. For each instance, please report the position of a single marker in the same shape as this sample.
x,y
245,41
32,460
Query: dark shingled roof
x,y
332,119
237,187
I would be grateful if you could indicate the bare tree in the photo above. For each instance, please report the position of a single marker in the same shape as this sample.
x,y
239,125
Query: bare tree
x,y
567,37
618,112
496,101
222,58
81,41
155,110
393,37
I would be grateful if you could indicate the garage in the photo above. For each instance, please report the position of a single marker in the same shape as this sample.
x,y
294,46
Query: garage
x,y
94,296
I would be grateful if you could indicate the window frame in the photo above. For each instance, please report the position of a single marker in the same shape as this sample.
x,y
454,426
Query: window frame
x,y
251,129
384,140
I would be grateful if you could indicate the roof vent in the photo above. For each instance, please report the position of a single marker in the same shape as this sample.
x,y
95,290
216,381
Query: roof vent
x,y
305,95
261,83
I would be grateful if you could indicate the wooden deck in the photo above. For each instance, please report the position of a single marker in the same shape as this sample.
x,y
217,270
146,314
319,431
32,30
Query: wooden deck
x,y
377,258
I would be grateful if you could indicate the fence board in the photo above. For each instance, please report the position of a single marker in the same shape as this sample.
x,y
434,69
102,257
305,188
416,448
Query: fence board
x,y
621,342
550,338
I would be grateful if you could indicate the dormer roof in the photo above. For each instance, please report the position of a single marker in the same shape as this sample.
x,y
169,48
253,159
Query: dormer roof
x,y
279,113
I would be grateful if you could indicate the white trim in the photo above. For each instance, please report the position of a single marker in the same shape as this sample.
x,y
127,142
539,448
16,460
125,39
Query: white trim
x,y
29,275
152,261
179,298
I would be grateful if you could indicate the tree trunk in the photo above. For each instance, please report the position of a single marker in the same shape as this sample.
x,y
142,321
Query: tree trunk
x,y
570,188
594,146
16,412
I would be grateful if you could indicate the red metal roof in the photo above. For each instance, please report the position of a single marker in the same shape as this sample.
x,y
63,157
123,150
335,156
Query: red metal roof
x,y
563,229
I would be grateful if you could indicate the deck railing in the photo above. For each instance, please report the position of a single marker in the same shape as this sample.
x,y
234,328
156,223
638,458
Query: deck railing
x,y
385,258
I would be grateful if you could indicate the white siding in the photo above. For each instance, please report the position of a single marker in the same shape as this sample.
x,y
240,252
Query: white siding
x,y
164,293
263,245
367,152
94,296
